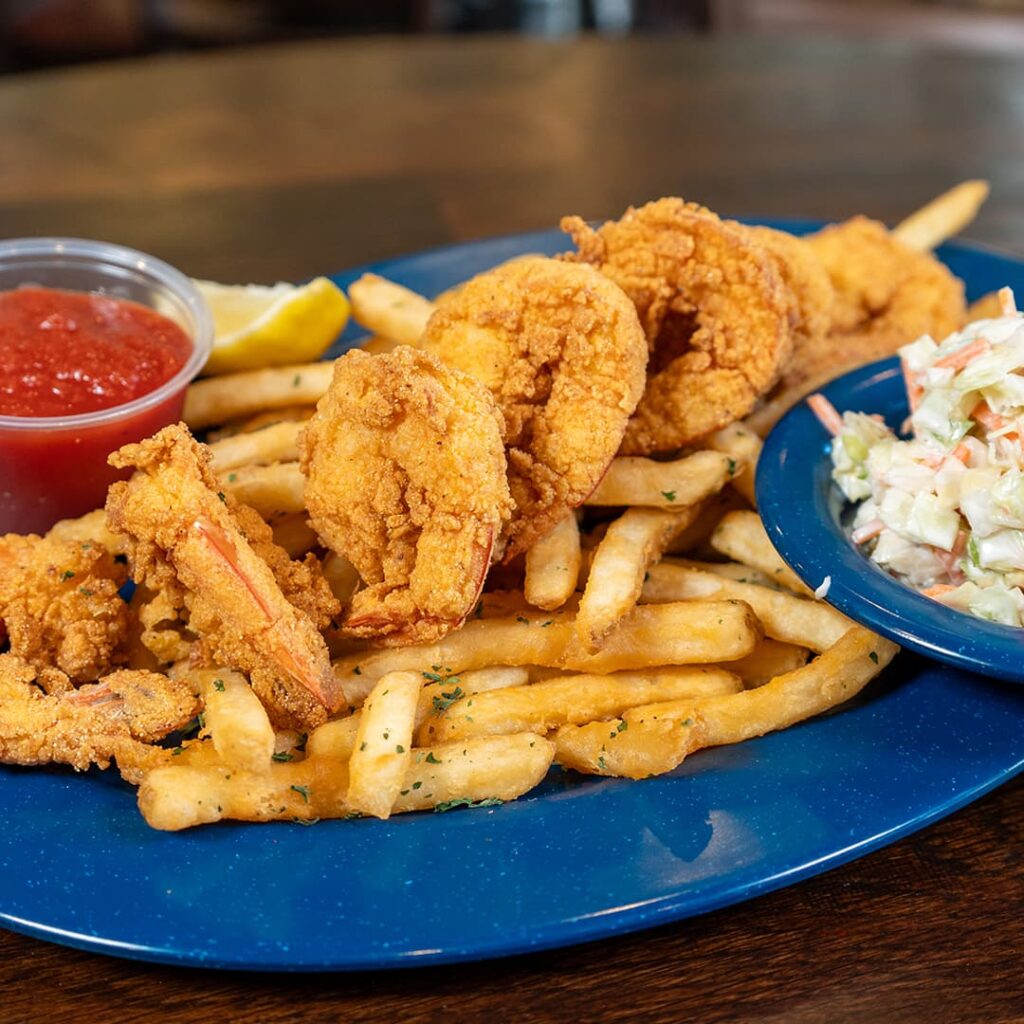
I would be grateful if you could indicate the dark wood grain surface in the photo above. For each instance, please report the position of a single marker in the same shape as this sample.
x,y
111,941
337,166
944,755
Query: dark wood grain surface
x,y
281,163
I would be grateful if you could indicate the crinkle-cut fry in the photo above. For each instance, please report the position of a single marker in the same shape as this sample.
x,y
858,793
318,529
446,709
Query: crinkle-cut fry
x,y
219,399
655,738
742,537
488,769
278,442
744,446
236,720
617,567
637,481
388,309
785,616
943,217
684,633
553,566
770,658
383,748
271,490
568,700
341,576
337,738
294,534
89,529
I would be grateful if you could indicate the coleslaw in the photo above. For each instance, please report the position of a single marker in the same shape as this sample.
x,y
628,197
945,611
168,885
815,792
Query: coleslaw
x,y
943,509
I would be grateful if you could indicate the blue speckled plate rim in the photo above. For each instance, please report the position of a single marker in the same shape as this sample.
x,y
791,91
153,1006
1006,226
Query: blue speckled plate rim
x,y
610,921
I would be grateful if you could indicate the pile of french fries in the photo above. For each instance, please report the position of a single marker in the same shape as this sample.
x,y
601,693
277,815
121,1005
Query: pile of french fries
x,y
654,622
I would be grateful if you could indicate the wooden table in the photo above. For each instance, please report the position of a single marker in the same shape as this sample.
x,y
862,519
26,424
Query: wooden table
x,y
280,163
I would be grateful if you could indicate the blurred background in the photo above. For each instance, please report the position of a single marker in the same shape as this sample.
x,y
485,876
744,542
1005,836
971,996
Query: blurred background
x,y
47,33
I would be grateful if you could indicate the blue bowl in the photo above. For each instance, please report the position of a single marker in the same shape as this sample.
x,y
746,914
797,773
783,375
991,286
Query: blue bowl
x,y
802,510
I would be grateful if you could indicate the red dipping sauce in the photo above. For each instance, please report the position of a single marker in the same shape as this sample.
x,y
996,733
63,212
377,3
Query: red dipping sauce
x,y
64,354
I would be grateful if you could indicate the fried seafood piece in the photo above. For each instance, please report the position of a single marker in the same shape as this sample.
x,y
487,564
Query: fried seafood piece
x,y
714,309
406,478
182,530
808,281
887,295
115,717
60,606
561,350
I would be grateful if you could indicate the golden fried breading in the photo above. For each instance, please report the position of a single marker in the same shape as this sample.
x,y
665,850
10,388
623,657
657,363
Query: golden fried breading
x,y
806,277
406,479
91,725
561,350
174,516
887,295
714,309
60,605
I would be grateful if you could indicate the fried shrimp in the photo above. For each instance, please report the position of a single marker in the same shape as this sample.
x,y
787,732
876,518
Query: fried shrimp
x,y
112,718
714,309
561,350
60,606
180,527
406,478
887,294
808,281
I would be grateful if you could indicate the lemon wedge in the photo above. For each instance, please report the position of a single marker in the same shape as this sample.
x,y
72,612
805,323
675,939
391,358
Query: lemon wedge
x,y
255,325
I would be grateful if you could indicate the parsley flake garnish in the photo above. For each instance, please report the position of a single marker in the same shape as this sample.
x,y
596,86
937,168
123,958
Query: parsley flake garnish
x,y
874,657
67,574
218,685
296,380
601,764
431,759
281,756
519,618
622,726
399,749
303,791
85,592
446,700
357,671
669,495
305,821
232,477
362,746
220,494
732,467
447,805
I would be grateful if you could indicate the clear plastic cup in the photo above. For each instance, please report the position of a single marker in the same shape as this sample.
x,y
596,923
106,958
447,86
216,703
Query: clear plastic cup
x,y
55,467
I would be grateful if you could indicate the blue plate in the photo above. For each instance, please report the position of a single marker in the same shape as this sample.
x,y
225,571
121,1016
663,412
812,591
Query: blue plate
x,y
578,859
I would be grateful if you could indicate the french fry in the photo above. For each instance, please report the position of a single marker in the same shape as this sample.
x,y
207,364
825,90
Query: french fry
x,y
294,534
770,658
671,485
486,770
236,720
271,490
784,616
655,738
685,633
341,576
553,566
278,442
261,421
945,216
219,399
730,570
337,738
388,309
377,345
574,699
693,541
744,446
741,536
383,746
618,565
89,529
988,307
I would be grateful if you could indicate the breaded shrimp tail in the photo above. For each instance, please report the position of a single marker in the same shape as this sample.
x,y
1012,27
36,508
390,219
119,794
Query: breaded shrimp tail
x,y
172,512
